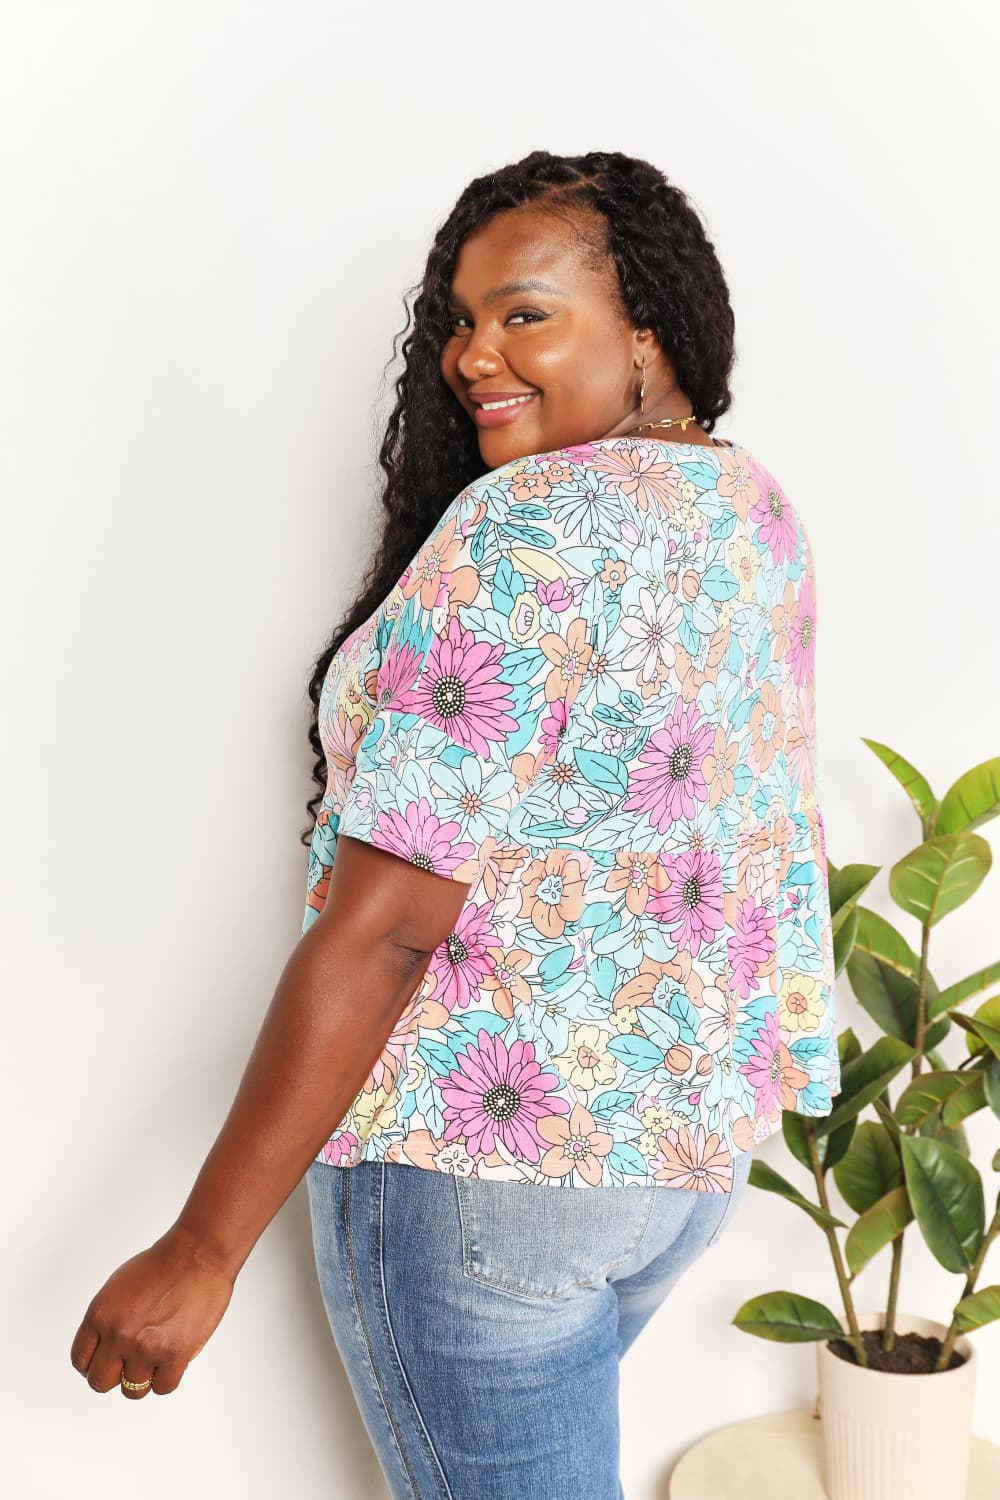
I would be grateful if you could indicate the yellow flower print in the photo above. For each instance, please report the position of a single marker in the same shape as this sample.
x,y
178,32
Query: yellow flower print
x,y
587,1059
743,559
801,1003
523,618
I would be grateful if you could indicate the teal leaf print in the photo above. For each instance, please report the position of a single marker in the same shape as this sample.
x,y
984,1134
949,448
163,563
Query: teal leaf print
x,y
720,584
612,1101
529,535
725,524
636,1052
661,1028
704,475
553,967
507,585
605,972
627,1159
603,771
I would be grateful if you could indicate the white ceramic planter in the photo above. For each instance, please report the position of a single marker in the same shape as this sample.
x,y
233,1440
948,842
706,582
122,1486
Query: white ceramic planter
x,y
896,1437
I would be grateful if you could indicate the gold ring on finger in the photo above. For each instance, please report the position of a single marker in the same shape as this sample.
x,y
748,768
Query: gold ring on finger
x,y
136,1385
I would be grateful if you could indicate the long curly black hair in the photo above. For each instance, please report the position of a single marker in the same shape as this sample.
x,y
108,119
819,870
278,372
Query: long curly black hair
x,y
670,280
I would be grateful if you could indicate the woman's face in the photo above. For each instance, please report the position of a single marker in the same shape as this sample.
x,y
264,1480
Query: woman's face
x,y
531,319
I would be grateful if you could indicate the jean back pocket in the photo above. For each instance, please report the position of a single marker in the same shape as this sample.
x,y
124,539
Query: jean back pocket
x,y
540,1241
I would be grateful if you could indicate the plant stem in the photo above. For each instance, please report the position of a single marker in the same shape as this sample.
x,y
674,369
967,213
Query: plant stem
x,y
918,1041
970,1285
855,1339
889,1331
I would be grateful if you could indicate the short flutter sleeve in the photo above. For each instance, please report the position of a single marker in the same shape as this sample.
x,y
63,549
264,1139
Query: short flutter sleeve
x,y
489,650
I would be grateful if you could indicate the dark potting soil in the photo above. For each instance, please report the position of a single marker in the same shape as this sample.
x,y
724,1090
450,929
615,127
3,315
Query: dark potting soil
x,y
912,1353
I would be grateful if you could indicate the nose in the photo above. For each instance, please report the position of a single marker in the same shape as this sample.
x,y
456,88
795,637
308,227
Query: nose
x,y
480,356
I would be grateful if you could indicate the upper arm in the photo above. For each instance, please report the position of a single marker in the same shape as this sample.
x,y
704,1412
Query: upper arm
x,y
385,899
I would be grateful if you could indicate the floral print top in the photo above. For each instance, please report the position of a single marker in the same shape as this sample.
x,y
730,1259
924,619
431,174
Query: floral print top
x,y
591,696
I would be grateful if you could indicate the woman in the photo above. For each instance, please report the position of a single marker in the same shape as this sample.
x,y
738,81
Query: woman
x,y
567,922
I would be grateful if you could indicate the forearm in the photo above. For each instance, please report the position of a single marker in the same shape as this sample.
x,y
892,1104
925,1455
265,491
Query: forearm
x,y
332,1011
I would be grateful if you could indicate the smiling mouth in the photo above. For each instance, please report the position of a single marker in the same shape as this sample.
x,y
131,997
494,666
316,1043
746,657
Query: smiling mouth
x,y
499,405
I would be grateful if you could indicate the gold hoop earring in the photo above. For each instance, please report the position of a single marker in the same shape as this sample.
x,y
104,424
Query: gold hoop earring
x,y
642,391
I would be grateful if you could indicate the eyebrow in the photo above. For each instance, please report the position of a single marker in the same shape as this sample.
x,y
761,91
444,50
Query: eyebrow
x,y
511,287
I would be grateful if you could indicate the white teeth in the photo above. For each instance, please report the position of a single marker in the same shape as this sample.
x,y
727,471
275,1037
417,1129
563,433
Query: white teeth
x,y
514,401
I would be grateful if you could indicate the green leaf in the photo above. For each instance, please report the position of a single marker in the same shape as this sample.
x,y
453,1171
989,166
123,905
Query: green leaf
x,y
916,787
763,1176
973,799
880,940
991,1085
972,984
870,1169
846,887
967,1100
843,942
946,1192
888,1119
788,1318
988,1012
928,1093
978,1308
863,1080
829,1148
891,998
938,875
877,1227
848,1046
986,1033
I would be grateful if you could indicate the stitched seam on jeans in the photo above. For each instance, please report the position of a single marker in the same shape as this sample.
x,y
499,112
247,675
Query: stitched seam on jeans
x,y
725,1216
445,1489
476,1273
356,1288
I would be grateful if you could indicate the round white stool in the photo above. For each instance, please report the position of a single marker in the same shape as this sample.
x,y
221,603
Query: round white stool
x,y
779,1457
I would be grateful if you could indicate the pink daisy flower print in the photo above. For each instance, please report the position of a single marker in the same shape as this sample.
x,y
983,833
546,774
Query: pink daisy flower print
x,y
803,646
417,834
495,1094
776,523
750,947
669,780
461,962
771,1071
693,900
461,691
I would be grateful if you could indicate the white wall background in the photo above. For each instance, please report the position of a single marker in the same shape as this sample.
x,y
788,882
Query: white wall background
x,y
210,212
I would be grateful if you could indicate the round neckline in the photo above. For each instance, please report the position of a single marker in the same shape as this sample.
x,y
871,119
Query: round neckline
x,y
660,443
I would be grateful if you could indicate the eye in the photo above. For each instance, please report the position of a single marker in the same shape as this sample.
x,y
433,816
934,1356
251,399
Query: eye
x,y
532,317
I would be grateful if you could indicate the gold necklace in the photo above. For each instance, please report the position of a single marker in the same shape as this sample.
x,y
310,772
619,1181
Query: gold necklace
x,y
666,422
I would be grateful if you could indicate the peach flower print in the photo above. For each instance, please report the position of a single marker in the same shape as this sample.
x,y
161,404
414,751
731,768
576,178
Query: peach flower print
x,y
577,1144
767,726
693,1160
636,874
552,892
718,766
783,622
737,482
504,979
645,475
431,563
570,655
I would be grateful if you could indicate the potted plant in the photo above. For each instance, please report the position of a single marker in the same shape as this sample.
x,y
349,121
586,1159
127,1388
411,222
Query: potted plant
x,y
896,1390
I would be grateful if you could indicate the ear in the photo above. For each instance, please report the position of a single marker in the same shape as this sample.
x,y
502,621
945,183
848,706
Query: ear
x,y
646,347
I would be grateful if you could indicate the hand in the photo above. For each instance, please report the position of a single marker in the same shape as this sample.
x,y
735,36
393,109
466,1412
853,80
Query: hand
x,y
152,1316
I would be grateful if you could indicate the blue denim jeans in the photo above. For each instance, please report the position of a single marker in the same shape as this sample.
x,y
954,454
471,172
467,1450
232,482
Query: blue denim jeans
x,y
481,1322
